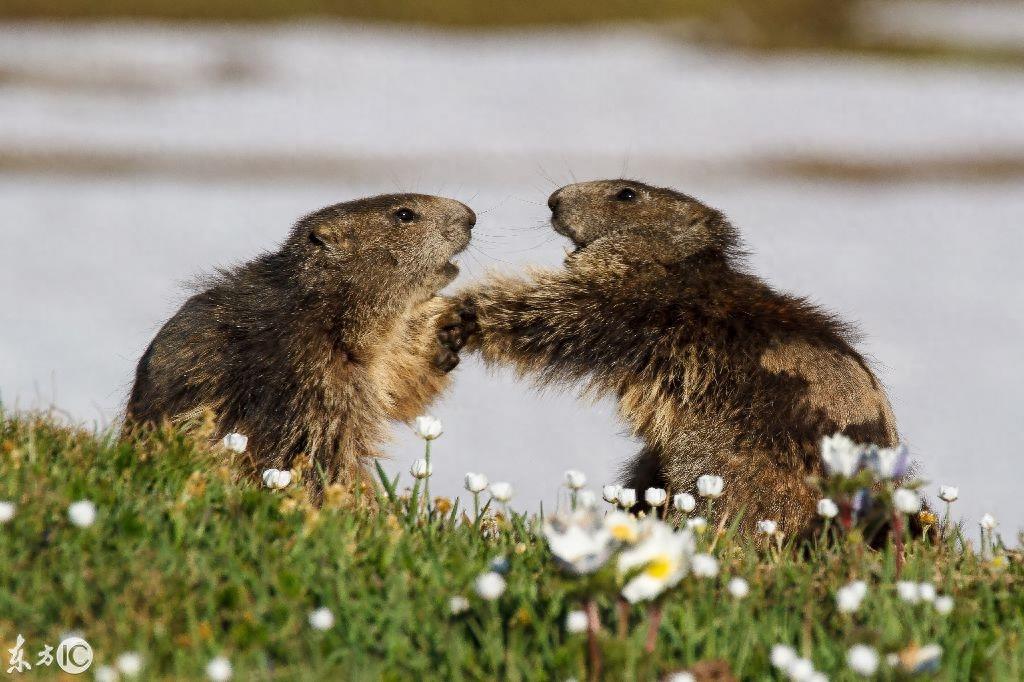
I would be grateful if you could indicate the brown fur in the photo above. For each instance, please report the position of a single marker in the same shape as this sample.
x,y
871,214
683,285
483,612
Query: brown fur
x,y
312,349
714,370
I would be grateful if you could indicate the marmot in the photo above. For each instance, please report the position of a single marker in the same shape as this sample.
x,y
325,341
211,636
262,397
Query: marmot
x,y
311,349
716,372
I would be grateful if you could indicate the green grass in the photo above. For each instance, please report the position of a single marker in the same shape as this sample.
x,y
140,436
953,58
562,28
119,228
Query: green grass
x,y
187,561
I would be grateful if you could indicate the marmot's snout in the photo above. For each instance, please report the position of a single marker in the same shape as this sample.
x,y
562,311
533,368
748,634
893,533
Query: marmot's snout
x,y
470,217
554,200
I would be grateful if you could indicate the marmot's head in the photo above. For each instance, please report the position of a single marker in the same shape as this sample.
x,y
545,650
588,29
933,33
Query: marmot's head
x,y
636,223
400,242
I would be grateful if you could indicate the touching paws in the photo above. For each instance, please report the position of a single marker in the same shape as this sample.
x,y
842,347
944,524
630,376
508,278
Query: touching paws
x,y
456,327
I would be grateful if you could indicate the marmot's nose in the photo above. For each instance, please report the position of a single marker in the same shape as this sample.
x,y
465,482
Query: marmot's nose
x,y
470,217
553,200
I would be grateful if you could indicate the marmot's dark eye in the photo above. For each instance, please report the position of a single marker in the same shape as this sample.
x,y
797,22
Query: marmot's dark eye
x,y
626,194
406,215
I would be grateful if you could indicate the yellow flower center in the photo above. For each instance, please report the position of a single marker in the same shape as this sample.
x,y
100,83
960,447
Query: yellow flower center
x,y
659,567
624,532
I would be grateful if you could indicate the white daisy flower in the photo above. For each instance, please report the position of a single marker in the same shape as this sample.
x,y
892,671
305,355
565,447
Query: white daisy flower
x,y
235,442
710,486
827,508
82,513
427,427
219,669
501,491
421,468
862,659
575,479
655,496
490,585
663,557
906,501
321,619
684,502
576,622
7,510
476,483
738,588
458,604
129,663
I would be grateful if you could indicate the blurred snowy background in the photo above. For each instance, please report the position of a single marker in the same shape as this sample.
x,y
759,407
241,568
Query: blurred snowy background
x,y
878,171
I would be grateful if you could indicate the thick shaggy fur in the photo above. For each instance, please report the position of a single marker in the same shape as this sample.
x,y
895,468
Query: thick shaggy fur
x,y
714,370
312,349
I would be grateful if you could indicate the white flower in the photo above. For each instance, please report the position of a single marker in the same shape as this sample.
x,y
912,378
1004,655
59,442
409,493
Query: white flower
x,y
827,508
219,669
129,663
908,591
767,526
575,479
490,585
105,673
906,501
944,604
681,676
738,588
235,442
82,513
421,468
889,462
427,427
458,604
782,656
684,502
862,659
501,491
988,522
949,493
705,566
817,677
321,618
476,483
800,670
698,524
927,592
7,510
627,497
610,493
655,496
623,527
576,622
663,557
580,541
841,455
586,498
849,597
710,486
277,479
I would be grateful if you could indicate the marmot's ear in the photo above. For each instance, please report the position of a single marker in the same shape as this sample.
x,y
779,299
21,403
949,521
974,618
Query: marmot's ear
x,y
331,238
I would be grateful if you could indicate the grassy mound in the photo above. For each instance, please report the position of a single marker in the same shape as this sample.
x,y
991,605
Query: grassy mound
x,y
186,561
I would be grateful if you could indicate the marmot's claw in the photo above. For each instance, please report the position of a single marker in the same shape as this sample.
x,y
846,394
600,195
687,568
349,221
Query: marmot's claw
x,y
452,338
457,326
446,360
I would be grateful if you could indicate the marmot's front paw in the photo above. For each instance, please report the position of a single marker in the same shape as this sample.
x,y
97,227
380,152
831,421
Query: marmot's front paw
x,y
456,327
446,360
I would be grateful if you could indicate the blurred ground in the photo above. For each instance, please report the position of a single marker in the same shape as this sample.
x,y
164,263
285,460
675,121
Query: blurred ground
x,y
133,156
